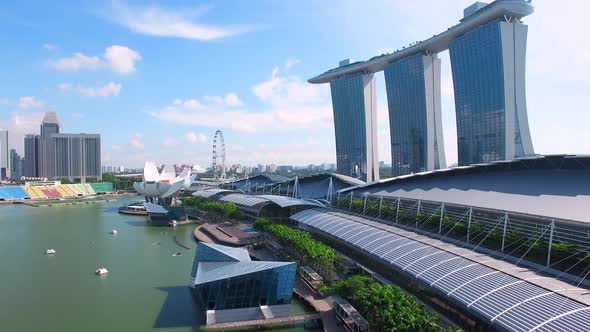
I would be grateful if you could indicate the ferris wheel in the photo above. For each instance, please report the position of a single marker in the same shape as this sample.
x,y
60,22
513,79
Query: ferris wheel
x,y
218,156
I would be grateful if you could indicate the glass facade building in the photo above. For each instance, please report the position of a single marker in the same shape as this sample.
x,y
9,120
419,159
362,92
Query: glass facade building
x,y
226,278
413,97
354,102
488,65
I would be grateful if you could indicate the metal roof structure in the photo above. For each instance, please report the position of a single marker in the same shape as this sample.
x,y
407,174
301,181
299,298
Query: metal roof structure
x,y
154,208
257,202
435,44
207,193
507,297
244,200
213,271
284,201
235,254
317,186
549,186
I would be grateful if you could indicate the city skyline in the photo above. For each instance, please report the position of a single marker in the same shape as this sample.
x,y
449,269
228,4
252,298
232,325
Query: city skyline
x,y
107,85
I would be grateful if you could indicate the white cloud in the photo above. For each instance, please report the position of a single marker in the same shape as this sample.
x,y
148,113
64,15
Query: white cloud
x,y
50,47
290,104
169,142
136,141
120,59
108,90
290,63
77,62
29,102
191,137
19,124
230,100
65,87
190,104
161,22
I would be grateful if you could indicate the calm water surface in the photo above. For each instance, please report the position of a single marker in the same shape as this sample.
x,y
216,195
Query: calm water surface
x,y
146,288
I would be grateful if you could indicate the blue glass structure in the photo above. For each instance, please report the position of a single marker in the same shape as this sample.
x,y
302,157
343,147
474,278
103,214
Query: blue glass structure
x,y
226,278
413,97
354,104
488,76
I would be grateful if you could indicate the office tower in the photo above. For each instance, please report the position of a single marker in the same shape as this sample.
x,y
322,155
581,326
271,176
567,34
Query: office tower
x,y
49,126
488,65
413,97
59,155
354,102
77,156
4,156
16,165
31,155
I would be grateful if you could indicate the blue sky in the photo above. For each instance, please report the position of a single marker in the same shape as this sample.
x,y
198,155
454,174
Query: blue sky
x,y
156,79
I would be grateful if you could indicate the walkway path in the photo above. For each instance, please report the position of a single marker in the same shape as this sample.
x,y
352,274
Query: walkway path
x,y
262,322
321,305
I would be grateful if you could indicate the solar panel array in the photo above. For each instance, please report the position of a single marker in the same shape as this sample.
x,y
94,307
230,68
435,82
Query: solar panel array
x,y
503,300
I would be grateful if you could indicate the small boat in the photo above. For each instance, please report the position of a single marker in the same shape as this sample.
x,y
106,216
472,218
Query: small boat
x,y
114,231
101,271
177,254
50,252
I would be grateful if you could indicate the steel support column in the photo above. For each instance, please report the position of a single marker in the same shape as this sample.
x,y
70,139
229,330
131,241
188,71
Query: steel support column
x,y
504,232
550,242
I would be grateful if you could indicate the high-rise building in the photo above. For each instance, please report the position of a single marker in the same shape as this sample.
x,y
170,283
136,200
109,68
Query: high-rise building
x,y
354,102
488,51
32,155
413,97
55,155
488,66
76,155
17,165
4,156
49,126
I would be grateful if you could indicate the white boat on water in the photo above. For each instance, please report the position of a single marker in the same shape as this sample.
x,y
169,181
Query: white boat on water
x,y
50,252
114,232
101,271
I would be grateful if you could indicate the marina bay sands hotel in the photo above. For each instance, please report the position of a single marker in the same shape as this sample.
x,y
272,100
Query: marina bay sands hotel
x,y
488,52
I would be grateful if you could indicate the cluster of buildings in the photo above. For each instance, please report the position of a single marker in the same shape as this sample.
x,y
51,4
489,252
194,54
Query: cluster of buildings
x,y
487,50
52,154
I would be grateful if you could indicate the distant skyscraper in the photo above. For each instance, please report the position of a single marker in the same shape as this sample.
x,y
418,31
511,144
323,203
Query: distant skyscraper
x,y
57,155
4,156
16,165
354,102
488,66
76,155
31,155
413,97
49,126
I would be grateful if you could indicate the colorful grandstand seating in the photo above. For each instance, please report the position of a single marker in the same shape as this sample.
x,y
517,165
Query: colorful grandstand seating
x,y
64,190
88,189
18,192
39,193
68,190
51,192
102,187
6,194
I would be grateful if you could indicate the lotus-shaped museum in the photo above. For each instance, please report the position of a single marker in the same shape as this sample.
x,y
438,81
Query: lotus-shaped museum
x,y
163,184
